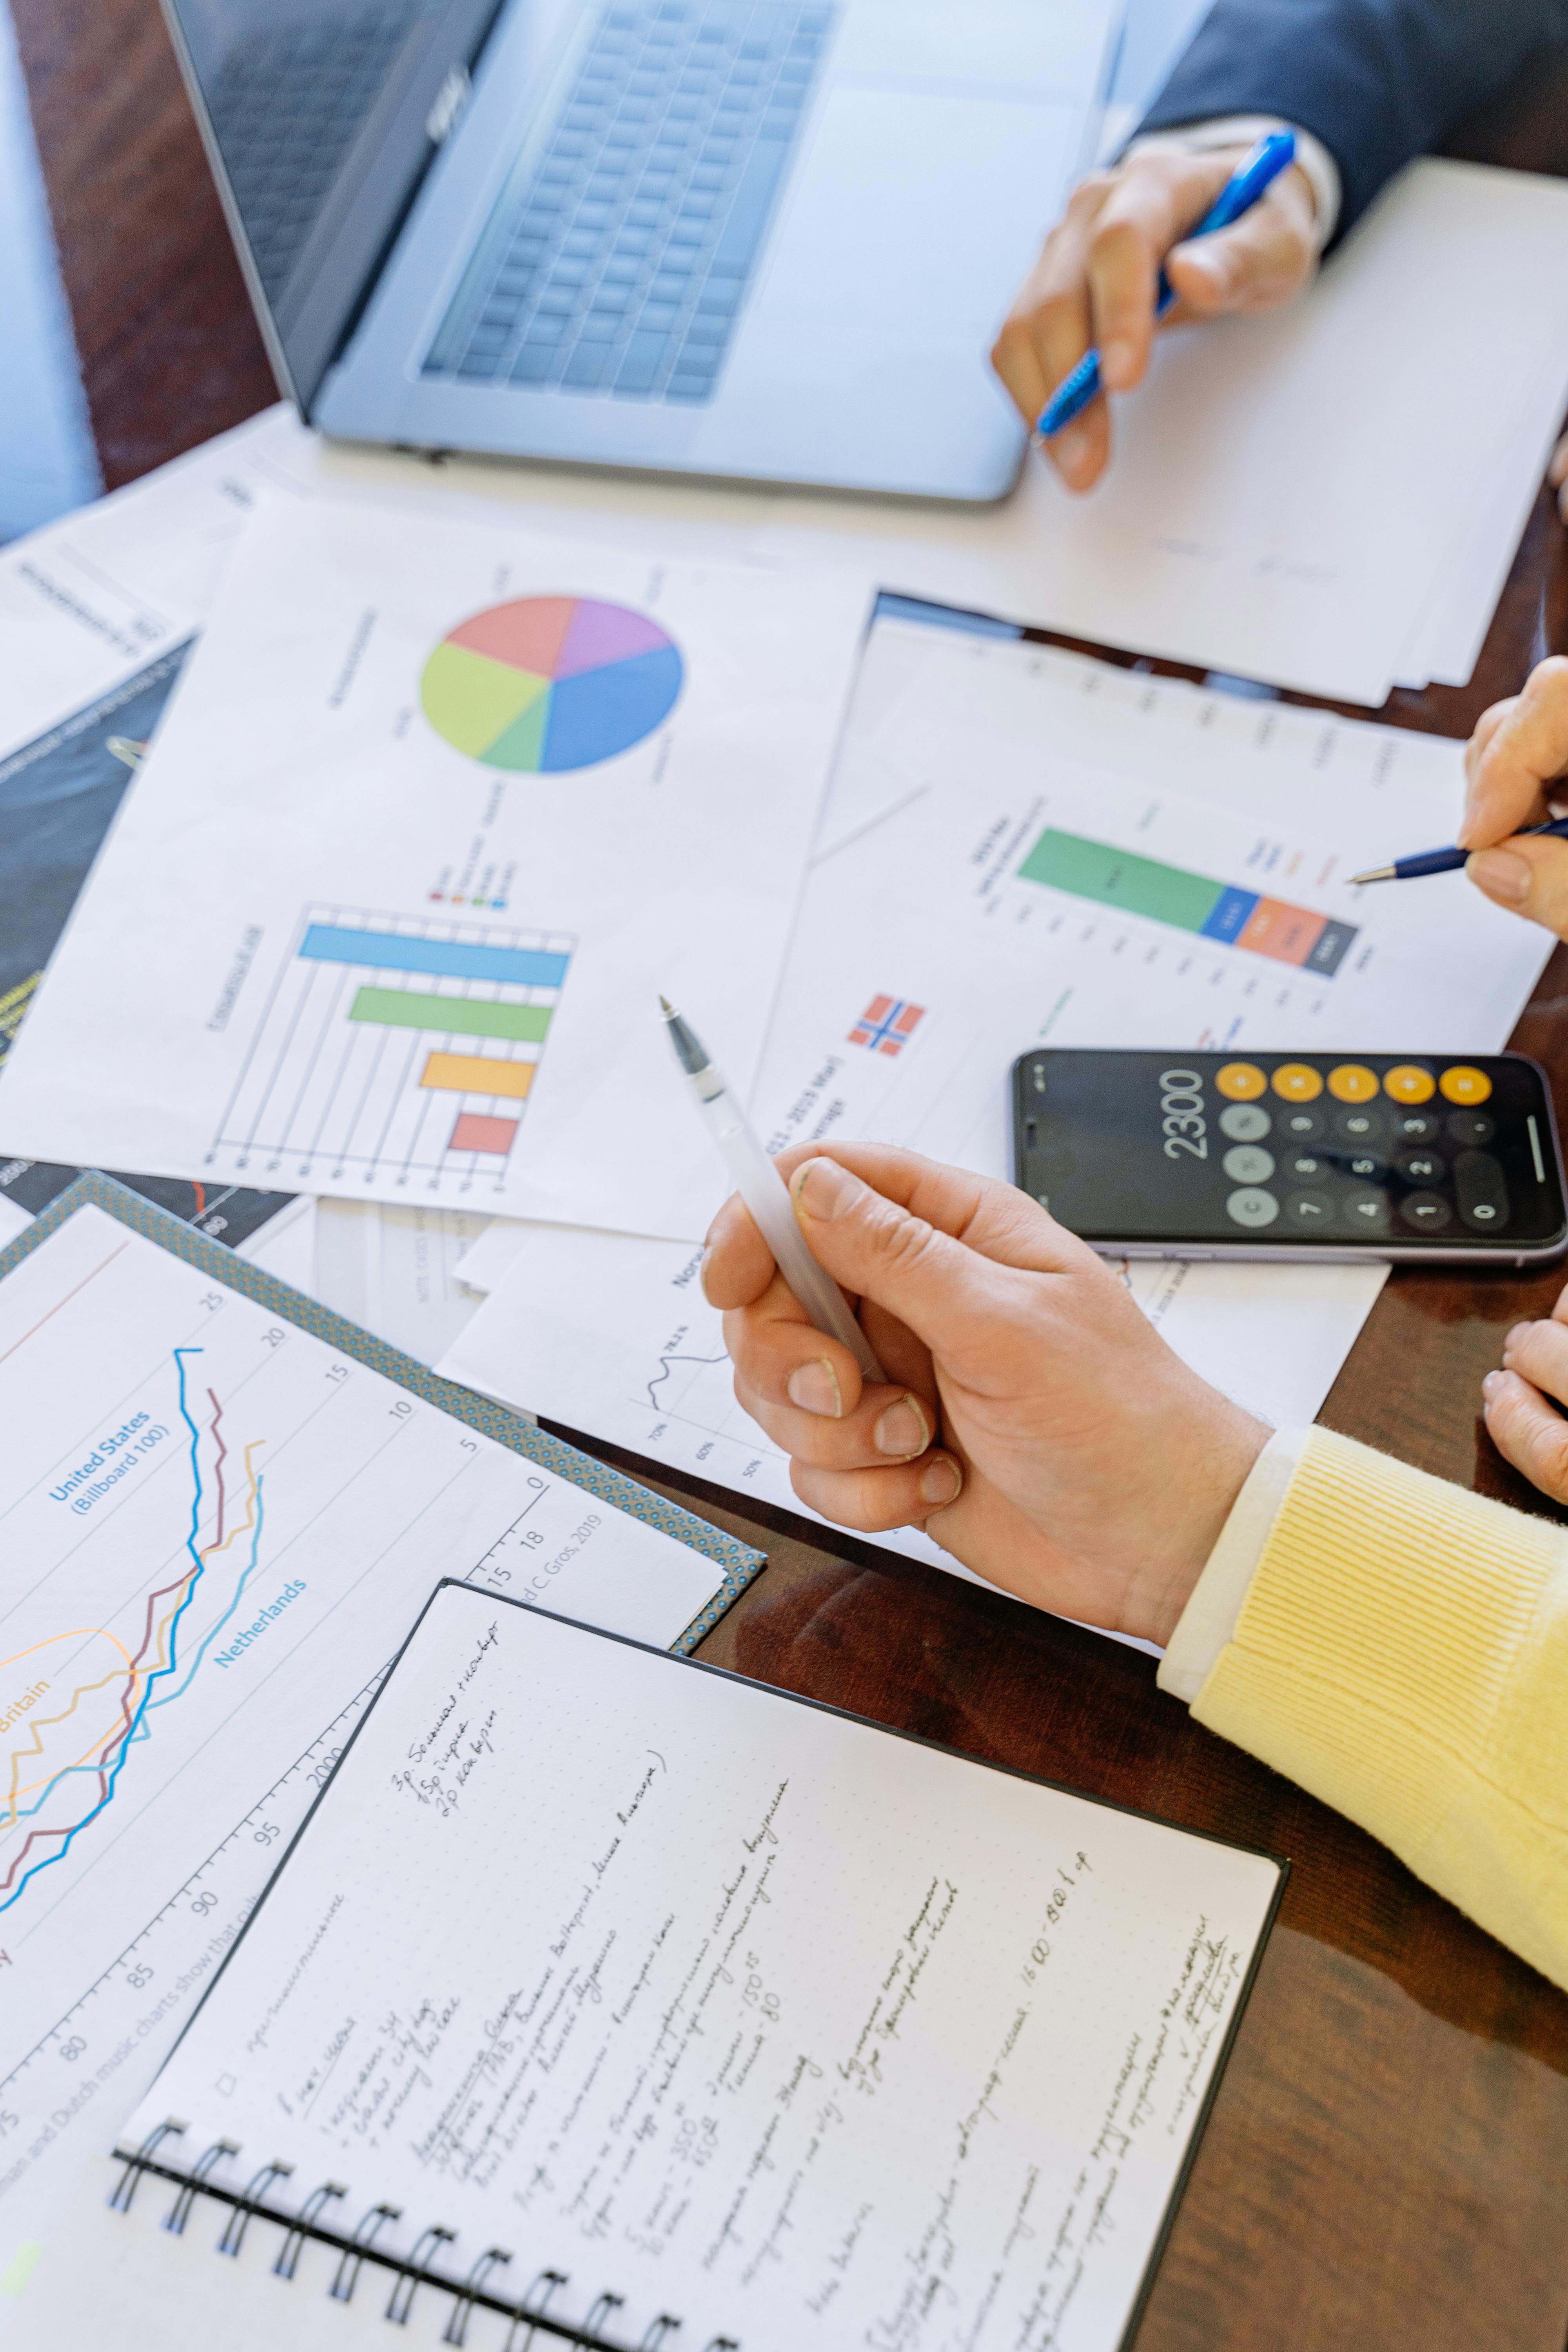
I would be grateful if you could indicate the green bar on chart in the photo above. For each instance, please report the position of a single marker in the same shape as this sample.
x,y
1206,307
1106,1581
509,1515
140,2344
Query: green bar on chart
x,y
452,1016
1114,877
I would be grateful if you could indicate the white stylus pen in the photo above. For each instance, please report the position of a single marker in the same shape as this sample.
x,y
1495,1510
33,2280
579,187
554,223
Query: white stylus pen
x,y
766,1195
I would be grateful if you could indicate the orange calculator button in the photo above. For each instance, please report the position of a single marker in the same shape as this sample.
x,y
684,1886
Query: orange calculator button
x,y
1409,1083
1241,1081
1463,1085
1351,1082
1297,1082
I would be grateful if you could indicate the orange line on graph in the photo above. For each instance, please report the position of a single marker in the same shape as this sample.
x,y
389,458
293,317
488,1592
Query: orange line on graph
x,y
139,1674
39,1723
249,1519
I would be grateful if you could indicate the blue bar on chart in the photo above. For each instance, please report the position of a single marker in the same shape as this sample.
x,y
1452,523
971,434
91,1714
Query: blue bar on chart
x,y
452,959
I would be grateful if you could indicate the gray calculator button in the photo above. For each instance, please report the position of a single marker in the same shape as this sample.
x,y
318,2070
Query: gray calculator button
x,y
1365,1211
1251,1207
1245,1164
1420,1167
1483,1196
1306,1166
1244,1122
1425,1212
1311,1213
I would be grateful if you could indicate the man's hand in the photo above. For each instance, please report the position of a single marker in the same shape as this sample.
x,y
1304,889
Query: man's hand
x,y
1514,762
1095,281
1033,1421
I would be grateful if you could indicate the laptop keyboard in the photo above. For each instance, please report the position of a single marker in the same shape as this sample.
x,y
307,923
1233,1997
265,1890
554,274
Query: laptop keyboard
x,y
287,106
620,265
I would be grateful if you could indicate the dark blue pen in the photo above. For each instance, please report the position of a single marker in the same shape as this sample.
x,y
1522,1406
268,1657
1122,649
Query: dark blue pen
x,y
1448,861
1272,155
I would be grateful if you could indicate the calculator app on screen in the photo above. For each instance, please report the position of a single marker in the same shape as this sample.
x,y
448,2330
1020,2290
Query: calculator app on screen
x,y
1396,1153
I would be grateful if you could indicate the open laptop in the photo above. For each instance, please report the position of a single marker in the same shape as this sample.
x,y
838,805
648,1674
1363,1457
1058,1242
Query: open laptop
x,y
762,239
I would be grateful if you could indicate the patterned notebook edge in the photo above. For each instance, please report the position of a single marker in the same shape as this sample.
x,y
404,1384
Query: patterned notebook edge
x,y
740,1564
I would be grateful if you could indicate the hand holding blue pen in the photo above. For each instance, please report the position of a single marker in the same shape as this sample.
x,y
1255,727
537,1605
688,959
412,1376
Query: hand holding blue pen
x,y
1252,177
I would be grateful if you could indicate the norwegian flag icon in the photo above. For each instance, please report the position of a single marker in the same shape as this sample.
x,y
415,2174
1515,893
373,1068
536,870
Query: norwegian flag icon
x,y
887,1025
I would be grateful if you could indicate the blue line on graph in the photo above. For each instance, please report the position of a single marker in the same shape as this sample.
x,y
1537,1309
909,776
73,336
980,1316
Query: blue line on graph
x,y
455,958
169,1696
124,1744
71,1770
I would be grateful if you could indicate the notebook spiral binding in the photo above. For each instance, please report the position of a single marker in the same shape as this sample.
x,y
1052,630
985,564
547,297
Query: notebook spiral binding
x,y
311,2223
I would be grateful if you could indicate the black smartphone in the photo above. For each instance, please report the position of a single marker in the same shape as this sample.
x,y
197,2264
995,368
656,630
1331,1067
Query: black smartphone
x,y
1301,1155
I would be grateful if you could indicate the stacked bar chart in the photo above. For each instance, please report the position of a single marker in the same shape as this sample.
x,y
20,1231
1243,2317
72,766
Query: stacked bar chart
x,y
1188,902
396,1048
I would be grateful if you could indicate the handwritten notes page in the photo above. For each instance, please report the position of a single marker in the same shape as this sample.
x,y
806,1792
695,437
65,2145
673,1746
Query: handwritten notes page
x,y
709,1999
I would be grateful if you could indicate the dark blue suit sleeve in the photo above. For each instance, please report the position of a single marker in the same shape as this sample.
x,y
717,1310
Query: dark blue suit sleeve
x,y
1376,80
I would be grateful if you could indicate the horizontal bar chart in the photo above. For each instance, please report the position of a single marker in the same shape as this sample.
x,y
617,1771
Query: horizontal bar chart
x,y
1187,902
451,958
397,1045
453,1016
478,1074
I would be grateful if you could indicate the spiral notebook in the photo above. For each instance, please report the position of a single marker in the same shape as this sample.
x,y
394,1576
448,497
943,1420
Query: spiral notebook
x,y
609,2000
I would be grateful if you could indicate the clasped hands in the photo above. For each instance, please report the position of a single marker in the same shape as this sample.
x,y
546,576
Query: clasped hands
x,y
1033,1421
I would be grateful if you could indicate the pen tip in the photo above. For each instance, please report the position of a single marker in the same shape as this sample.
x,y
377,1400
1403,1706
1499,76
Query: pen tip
x,y
1375,874
667,1008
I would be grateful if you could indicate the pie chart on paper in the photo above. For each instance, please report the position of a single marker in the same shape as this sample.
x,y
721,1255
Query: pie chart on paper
x,y
546,684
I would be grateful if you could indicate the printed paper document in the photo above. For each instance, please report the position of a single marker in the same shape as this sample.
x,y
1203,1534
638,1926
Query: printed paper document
x,y
710,2000
217,1529
433,817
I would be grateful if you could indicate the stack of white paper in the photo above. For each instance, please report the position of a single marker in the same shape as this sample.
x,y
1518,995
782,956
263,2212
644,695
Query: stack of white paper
x,y
1325,499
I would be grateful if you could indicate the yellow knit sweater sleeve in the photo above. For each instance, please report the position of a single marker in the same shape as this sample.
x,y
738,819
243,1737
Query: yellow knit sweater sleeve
x,y
1403,1653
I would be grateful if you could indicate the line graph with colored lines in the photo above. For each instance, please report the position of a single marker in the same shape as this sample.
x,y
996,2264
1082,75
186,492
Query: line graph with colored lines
x,y
76,1705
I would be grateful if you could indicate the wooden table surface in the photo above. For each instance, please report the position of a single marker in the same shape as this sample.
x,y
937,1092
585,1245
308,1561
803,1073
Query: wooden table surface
x,y
1387,2162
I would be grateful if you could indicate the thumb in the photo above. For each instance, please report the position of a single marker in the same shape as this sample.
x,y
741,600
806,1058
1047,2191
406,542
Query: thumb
x,y
1264,257
1527,877
881,1251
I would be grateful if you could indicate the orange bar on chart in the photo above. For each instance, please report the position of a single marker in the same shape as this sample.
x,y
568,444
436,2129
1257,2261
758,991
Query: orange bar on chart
x,y
473,1132
1287,933
477,1074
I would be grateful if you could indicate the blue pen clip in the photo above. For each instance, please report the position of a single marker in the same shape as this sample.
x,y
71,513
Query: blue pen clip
x,y
1258,171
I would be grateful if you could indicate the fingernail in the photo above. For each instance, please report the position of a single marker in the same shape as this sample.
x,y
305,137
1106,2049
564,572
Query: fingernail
x,y
1069,447
815,1387
1517,1332
702,1272
941,1482
1117,362
1501,876
825,1190
903,1430
1491,1384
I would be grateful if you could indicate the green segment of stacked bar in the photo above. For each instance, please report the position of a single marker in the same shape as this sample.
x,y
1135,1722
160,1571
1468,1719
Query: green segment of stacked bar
x,y
1220,911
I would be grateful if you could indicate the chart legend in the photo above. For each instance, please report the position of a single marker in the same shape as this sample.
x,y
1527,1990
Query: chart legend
x,y
396,1046
547,684
1188,902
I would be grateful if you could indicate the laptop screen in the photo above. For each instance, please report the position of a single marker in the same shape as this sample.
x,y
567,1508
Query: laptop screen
x,y
322,117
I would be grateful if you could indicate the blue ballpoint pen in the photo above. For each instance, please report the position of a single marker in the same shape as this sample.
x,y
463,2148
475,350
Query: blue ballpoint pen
x,y
1448,861
1272,155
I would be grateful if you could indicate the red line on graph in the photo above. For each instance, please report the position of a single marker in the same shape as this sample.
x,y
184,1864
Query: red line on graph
x,y
218,1466
127,1712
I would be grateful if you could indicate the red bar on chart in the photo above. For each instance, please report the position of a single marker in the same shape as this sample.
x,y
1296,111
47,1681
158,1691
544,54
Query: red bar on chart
x,y
1287,933
475,1132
